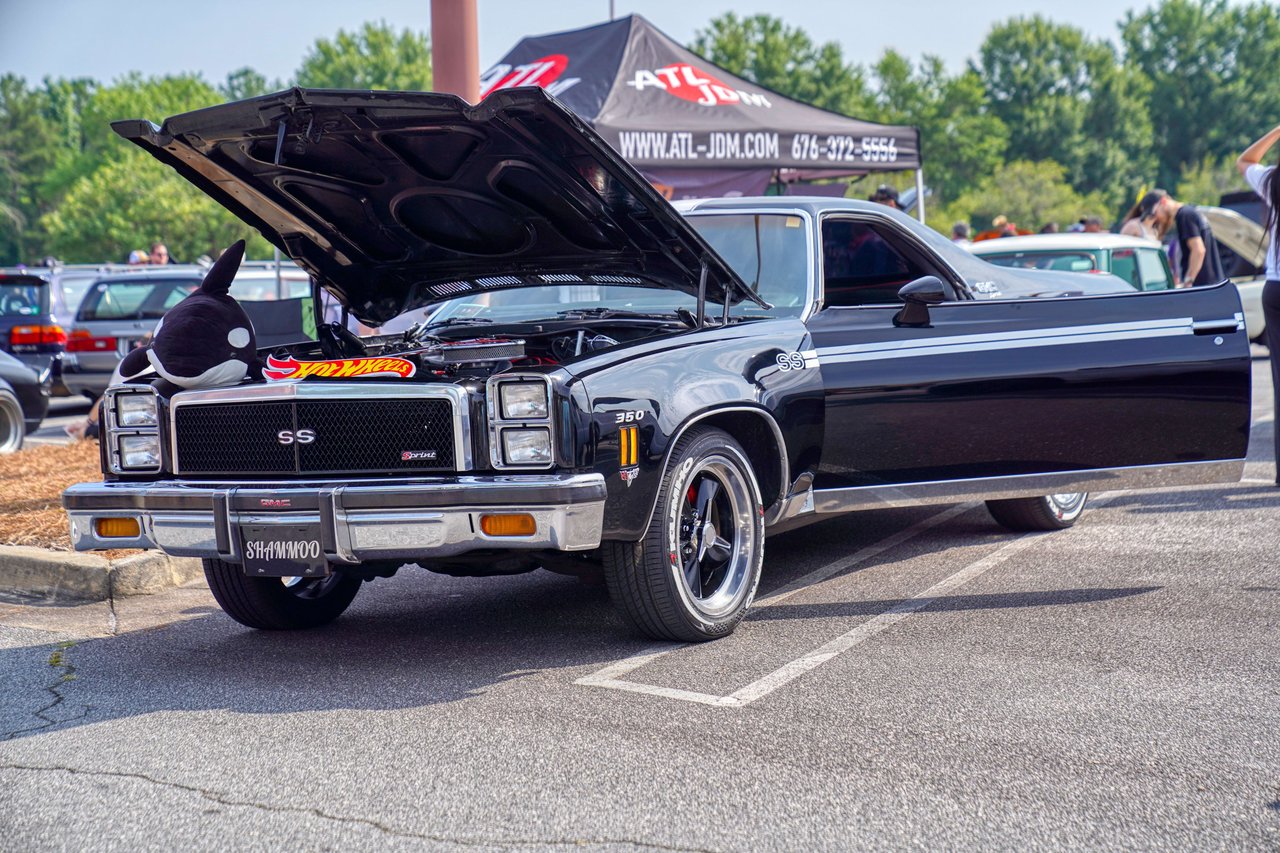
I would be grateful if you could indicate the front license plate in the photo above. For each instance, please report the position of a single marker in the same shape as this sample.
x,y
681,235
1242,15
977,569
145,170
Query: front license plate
x,y
283,550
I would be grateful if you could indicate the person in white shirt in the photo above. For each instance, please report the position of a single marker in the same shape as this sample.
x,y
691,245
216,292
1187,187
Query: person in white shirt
x,y
1265,183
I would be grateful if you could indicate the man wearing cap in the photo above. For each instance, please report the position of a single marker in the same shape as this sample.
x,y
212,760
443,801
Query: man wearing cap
x,y
886,195
1200,261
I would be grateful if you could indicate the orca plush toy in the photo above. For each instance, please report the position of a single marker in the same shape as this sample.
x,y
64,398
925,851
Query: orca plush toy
x,y
204,341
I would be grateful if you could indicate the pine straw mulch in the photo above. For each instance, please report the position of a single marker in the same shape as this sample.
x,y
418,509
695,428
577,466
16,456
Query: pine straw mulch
x,y
31,485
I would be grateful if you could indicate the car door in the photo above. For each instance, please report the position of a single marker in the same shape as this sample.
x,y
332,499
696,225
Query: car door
x,y
1013,388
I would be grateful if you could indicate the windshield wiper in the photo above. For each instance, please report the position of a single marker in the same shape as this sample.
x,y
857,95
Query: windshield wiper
x,y
601,312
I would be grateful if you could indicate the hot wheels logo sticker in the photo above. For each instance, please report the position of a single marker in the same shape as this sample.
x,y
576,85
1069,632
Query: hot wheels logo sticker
x,y
691,84
342,368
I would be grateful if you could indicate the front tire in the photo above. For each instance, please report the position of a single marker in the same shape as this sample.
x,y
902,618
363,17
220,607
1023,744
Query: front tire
x,y
1050,512
279,604
694,574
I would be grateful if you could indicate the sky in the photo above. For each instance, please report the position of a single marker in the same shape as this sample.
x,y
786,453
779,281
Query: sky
x,y
103,39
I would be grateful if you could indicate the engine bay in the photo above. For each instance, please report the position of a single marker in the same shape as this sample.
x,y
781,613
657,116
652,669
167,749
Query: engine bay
x,y
459,350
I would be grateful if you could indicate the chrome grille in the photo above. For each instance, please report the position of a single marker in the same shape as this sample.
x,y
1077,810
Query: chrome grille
x,y
351,436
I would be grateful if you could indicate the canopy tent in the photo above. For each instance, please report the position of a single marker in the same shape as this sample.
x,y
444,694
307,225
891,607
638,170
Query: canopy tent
x,y
693,128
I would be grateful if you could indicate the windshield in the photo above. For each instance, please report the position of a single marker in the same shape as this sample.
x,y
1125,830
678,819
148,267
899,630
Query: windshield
x,y
768,251
1069,261
23,300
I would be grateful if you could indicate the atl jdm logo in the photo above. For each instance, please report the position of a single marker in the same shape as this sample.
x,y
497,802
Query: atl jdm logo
x,y
543,73
691,84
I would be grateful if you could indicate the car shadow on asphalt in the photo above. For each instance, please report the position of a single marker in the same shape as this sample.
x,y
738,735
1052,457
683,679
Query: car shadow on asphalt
x,y
421,639
1199,500
947,603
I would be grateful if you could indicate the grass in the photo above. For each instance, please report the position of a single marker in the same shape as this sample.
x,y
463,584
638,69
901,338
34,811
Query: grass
x,y
31,485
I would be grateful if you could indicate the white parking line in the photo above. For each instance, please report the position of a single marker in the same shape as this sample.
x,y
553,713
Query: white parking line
x,y
610,677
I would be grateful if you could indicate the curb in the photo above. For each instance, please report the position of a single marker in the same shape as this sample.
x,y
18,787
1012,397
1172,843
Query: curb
x,y
73,576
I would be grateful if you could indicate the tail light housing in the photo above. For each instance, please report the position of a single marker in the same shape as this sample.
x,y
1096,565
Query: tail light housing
x,y
36,335
82,341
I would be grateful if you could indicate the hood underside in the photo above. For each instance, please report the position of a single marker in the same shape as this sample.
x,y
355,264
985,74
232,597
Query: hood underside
x,y
395,200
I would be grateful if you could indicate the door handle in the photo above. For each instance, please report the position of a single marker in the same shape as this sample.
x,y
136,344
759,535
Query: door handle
x,y
1217,327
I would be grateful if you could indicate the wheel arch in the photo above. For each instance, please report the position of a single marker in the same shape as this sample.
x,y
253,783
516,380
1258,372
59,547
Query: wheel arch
x,y
760,436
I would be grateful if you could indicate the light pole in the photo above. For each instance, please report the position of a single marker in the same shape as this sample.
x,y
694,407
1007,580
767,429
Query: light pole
x,y
455,48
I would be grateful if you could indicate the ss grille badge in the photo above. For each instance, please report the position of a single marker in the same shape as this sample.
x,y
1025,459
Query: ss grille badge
x,y
302,436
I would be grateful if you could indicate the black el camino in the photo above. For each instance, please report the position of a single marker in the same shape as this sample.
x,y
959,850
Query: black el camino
x,y
611,382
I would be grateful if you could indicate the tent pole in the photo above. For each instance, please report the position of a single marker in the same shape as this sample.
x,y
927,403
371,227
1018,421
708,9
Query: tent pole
x,y
920,195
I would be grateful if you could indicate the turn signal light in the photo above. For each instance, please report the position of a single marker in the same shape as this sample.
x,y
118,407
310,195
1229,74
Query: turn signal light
x,y
117,528
627,445
512,524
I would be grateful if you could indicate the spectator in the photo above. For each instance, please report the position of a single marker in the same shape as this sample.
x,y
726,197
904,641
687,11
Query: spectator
x,y
1265,183
887,196
1197,248
160,254
960,235
1136,225
137,257
1093,225
1049,228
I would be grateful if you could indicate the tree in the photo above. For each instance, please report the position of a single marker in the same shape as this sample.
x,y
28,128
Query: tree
x,y
247,83
374,57
960,138
132,201
1068,99
1207,181
1213,69
27,150
764,50
1029,194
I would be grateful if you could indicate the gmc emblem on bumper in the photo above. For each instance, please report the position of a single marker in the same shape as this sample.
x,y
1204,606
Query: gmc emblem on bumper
x,y
275,502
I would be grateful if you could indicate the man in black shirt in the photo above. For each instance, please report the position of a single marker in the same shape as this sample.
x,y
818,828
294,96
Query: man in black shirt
x,y
1200,261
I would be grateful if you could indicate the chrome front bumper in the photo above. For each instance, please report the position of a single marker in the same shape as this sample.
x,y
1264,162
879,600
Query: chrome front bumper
x,y
409,519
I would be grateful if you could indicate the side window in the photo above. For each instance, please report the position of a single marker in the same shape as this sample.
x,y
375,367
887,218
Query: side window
x,y
114,300
176,295
1124,264
861,266
1153,270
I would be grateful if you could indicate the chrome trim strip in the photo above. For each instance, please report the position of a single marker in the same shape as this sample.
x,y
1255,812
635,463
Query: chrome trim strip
x,y
1098,333
827,501
300,390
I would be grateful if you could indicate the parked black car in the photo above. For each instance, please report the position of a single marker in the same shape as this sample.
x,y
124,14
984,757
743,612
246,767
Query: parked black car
x,y
28,329
613,382
24,401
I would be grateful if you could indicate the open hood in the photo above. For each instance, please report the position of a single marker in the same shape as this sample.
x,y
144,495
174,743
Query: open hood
x,y
1238,233
395,200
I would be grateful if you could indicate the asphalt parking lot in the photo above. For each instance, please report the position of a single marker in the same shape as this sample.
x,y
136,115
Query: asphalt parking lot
x,y
909,678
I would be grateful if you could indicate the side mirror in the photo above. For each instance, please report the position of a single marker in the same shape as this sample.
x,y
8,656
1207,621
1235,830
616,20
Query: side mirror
x,y
918,296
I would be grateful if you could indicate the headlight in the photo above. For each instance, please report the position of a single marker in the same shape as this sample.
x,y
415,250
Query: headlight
x,y
139,451
136,410
526,446
522,400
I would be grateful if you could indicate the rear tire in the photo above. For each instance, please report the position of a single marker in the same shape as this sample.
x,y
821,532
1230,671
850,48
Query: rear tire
x,y
13,427
279,604
694,574
1051,512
